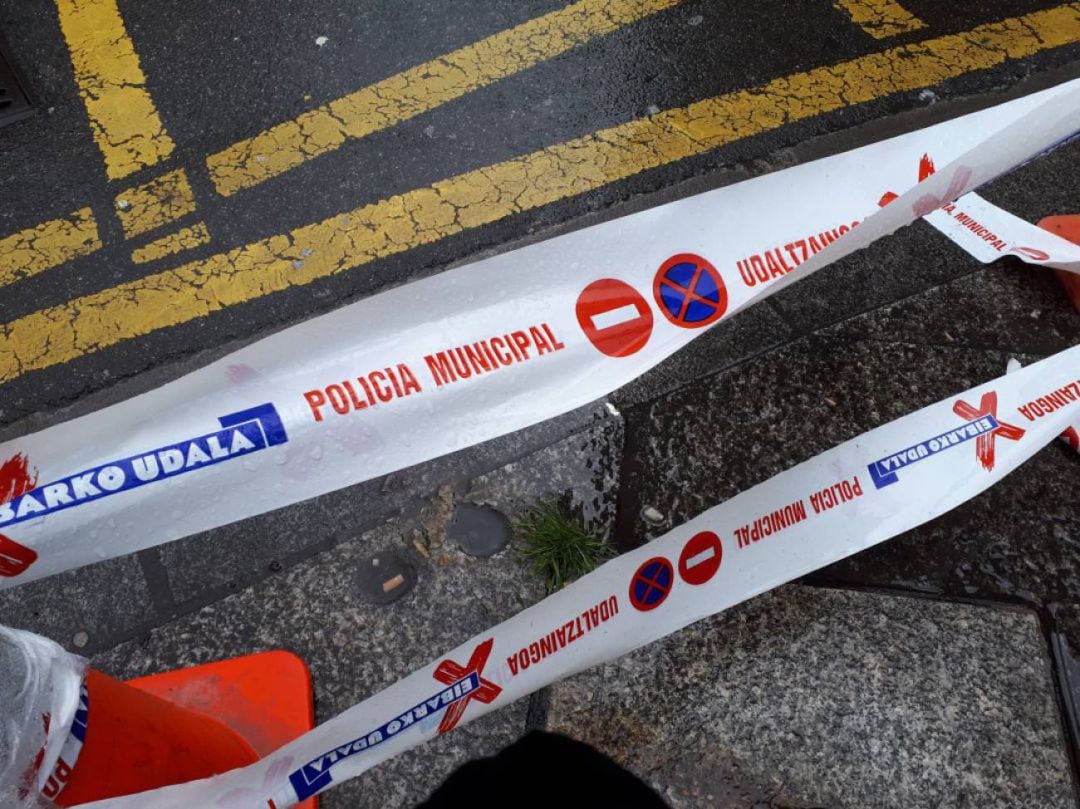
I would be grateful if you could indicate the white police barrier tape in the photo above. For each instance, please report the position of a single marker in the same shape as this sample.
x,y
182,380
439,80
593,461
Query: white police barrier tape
x,y
476,352
849,498
1045,404
987,233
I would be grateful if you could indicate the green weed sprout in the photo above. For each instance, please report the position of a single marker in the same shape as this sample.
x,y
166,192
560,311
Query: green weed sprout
x,y
557,546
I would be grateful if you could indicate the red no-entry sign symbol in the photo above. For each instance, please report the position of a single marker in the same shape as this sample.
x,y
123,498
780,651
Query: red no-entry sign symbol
x,y
700,558
615,317
15,559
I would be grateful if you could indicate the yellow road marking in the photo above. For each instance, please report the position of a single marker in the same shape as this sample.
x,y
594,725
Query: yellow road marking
x,y
419,89
880,18
183,239
322,130
158,202
485,195
123,117
30,251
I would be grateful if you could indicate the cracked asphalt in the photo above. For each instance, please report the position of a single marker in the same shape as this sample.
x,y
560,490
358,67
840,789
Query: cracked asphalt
x,y
299,155
372,170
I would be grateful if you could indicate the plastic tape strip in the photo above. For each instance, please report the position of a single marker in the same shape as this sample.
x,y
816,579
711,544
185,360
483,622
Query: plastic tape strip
x,y
1047,404
987,233
477,352
858,494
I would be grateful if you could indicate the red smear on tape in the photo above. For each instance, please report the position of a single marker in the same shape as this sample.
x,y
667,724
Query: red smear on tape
x,y
926,167
242,374
984,444
16,479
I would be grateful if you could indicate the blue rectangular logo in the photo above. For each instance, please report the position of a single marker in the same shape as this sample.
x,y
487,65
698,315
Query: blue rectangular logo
x,y
884,471
241,433
315,776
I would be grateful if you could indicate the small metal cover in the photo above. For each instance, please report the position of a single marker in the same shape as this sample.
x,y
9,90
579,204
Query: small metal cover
x,y
15,101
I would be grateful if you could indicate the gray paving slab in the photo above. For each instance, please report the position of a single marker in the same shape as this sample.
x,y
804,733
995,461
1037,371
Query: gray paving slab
x,y
1018,541
353,647
83,609
116,599
1015,543
223,557
884,332
320,609
746,335
584,468
916,259
817,698
707,442
1007,306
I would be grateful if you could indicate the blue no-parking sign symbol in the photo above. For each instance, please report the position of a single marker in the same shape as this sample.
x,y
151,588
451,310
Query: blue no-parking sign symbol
x,y
689,291
651,584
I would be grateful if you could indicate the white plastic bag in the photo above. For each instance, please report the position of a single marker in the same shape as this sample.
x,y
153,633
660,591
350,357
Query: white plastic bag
x,y
40,686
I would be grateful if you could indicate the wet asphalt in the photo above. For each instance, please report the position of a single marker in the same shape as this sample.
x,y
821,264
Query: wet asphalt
x,y
219,74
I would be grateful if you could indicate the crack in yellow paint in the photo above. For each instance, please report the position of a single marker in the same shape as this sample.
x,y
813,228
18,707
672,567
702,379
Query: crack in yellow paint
x,y
183,239
881,19
123,118
158,202
400,97
47,245
406,221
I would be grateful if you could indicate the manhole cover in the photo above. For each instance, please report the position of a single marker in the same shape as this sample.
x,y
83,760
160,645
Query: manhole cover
x,y
14,100
478,530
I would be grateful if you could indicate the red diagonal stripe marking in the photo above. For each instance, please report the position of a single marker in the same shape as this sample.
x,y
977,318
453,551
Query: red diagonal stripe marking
x,y
486,692
1009,431
691,292
450,672
984,444
687,292
984,450
966,411
480,656
453,716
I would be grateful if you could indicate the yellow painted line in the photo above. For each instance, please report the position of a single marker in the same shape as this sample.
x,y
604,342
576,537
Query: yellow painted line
x,y
485,195
30,251
881,19
124,120
158,202
183,239
400,97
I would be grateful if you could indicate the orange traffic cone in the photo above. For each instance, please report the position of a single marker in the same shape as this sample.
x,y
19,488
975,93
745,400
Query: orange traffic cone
x,y
185,725
136,741
1067,227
